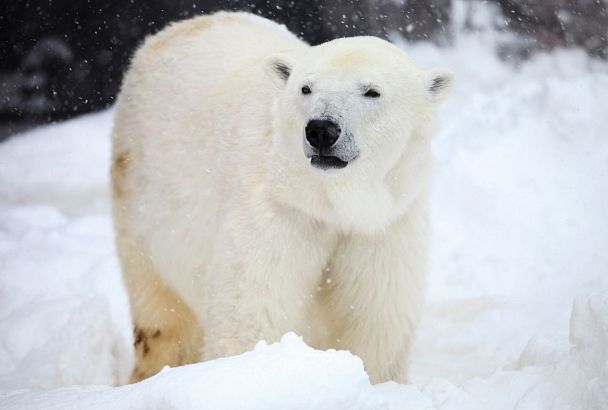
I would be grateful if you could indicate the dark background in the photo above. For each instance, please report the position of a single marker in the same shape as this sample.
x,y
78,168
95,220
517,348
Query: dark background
x,y
62,58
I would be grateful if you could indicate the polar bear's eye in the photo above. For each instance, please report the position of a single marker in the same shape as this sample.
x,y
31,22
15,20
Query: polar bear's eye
x,y
371,93
306,90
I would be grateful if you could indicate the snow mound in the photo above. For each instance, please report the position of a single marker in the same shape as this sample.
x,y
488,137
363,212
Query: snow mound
x,y
61,300
285,375
291,375
580,380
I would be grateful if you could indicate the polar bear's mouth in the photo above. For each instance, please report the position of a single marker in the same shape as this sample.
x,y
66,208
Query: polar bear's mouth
x,y
327,162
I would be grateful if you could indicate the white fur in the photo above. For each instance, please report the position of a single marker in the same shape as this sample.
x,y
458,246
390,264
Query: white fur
x,y
234,218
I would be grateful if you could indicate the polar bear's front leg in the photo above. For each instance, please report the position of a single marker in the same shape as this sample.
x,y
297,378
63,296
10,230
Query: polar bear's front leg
x,y
262,280
374,292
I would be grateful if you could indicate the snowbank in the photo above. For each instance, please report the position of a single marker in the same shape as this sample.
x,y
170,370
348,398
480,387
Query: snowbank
x,y
286,375
291,375
519,233
61,300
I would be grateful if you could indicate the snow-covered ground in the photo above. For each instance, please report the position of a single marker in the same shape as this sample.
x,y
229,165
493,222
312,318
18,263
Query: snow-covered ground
x,y
517,313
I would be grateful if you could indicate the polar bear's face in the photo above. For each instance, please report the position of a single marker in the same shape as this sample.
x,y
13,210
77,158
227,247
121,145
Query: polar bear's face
x,y
352,102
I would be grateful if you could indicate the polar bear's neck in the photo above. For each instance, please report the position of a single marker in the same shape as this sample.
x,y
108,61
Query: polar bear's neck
x,y
361,207
354,204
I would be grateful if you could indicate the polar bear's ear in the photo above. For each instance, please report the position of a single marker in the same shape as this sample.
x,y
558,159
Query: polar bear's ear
x,y
439,83
278,67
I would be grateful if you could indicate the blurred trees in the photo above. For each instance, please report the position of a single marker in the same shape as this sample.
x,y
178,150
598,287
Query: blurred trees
x,y
318,21
559,23
59,58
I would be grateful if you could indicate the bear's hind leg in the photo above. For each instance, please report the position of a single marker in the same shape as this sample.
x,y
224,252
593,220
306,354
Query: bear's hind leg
x,y
166,331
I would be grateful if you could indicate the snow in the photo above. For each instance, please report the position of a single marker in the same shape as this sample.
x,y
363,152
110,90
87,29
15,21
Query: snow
x,y
517,312
331,379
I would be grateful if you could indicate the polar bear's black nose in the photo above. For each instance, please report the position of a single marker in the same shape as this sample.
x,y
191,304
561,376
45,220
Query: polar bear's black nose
x,y
322,134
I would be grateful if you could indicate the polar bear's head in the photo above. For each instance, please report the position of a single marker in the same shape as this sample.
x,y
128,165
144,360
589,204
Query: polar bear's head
x,y
354,109
353,99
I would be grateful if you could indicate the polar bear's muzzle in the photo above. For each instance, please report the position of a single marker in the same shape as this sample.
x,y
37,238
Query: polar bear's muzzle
x,y
326,145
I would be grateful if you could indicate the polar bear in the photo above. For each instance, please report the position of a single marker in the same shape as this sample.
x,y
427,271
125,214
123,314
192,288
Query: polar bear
x,y
261,185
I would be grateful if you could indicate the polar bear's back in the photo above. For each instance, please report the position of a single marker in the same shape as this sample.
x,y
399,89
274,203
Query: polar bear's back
x,y
194,106
183,76
186,71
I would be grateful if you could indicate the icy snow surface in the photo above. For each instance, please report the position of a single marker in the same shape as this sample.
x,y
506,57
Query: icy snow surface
x,y
517,313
